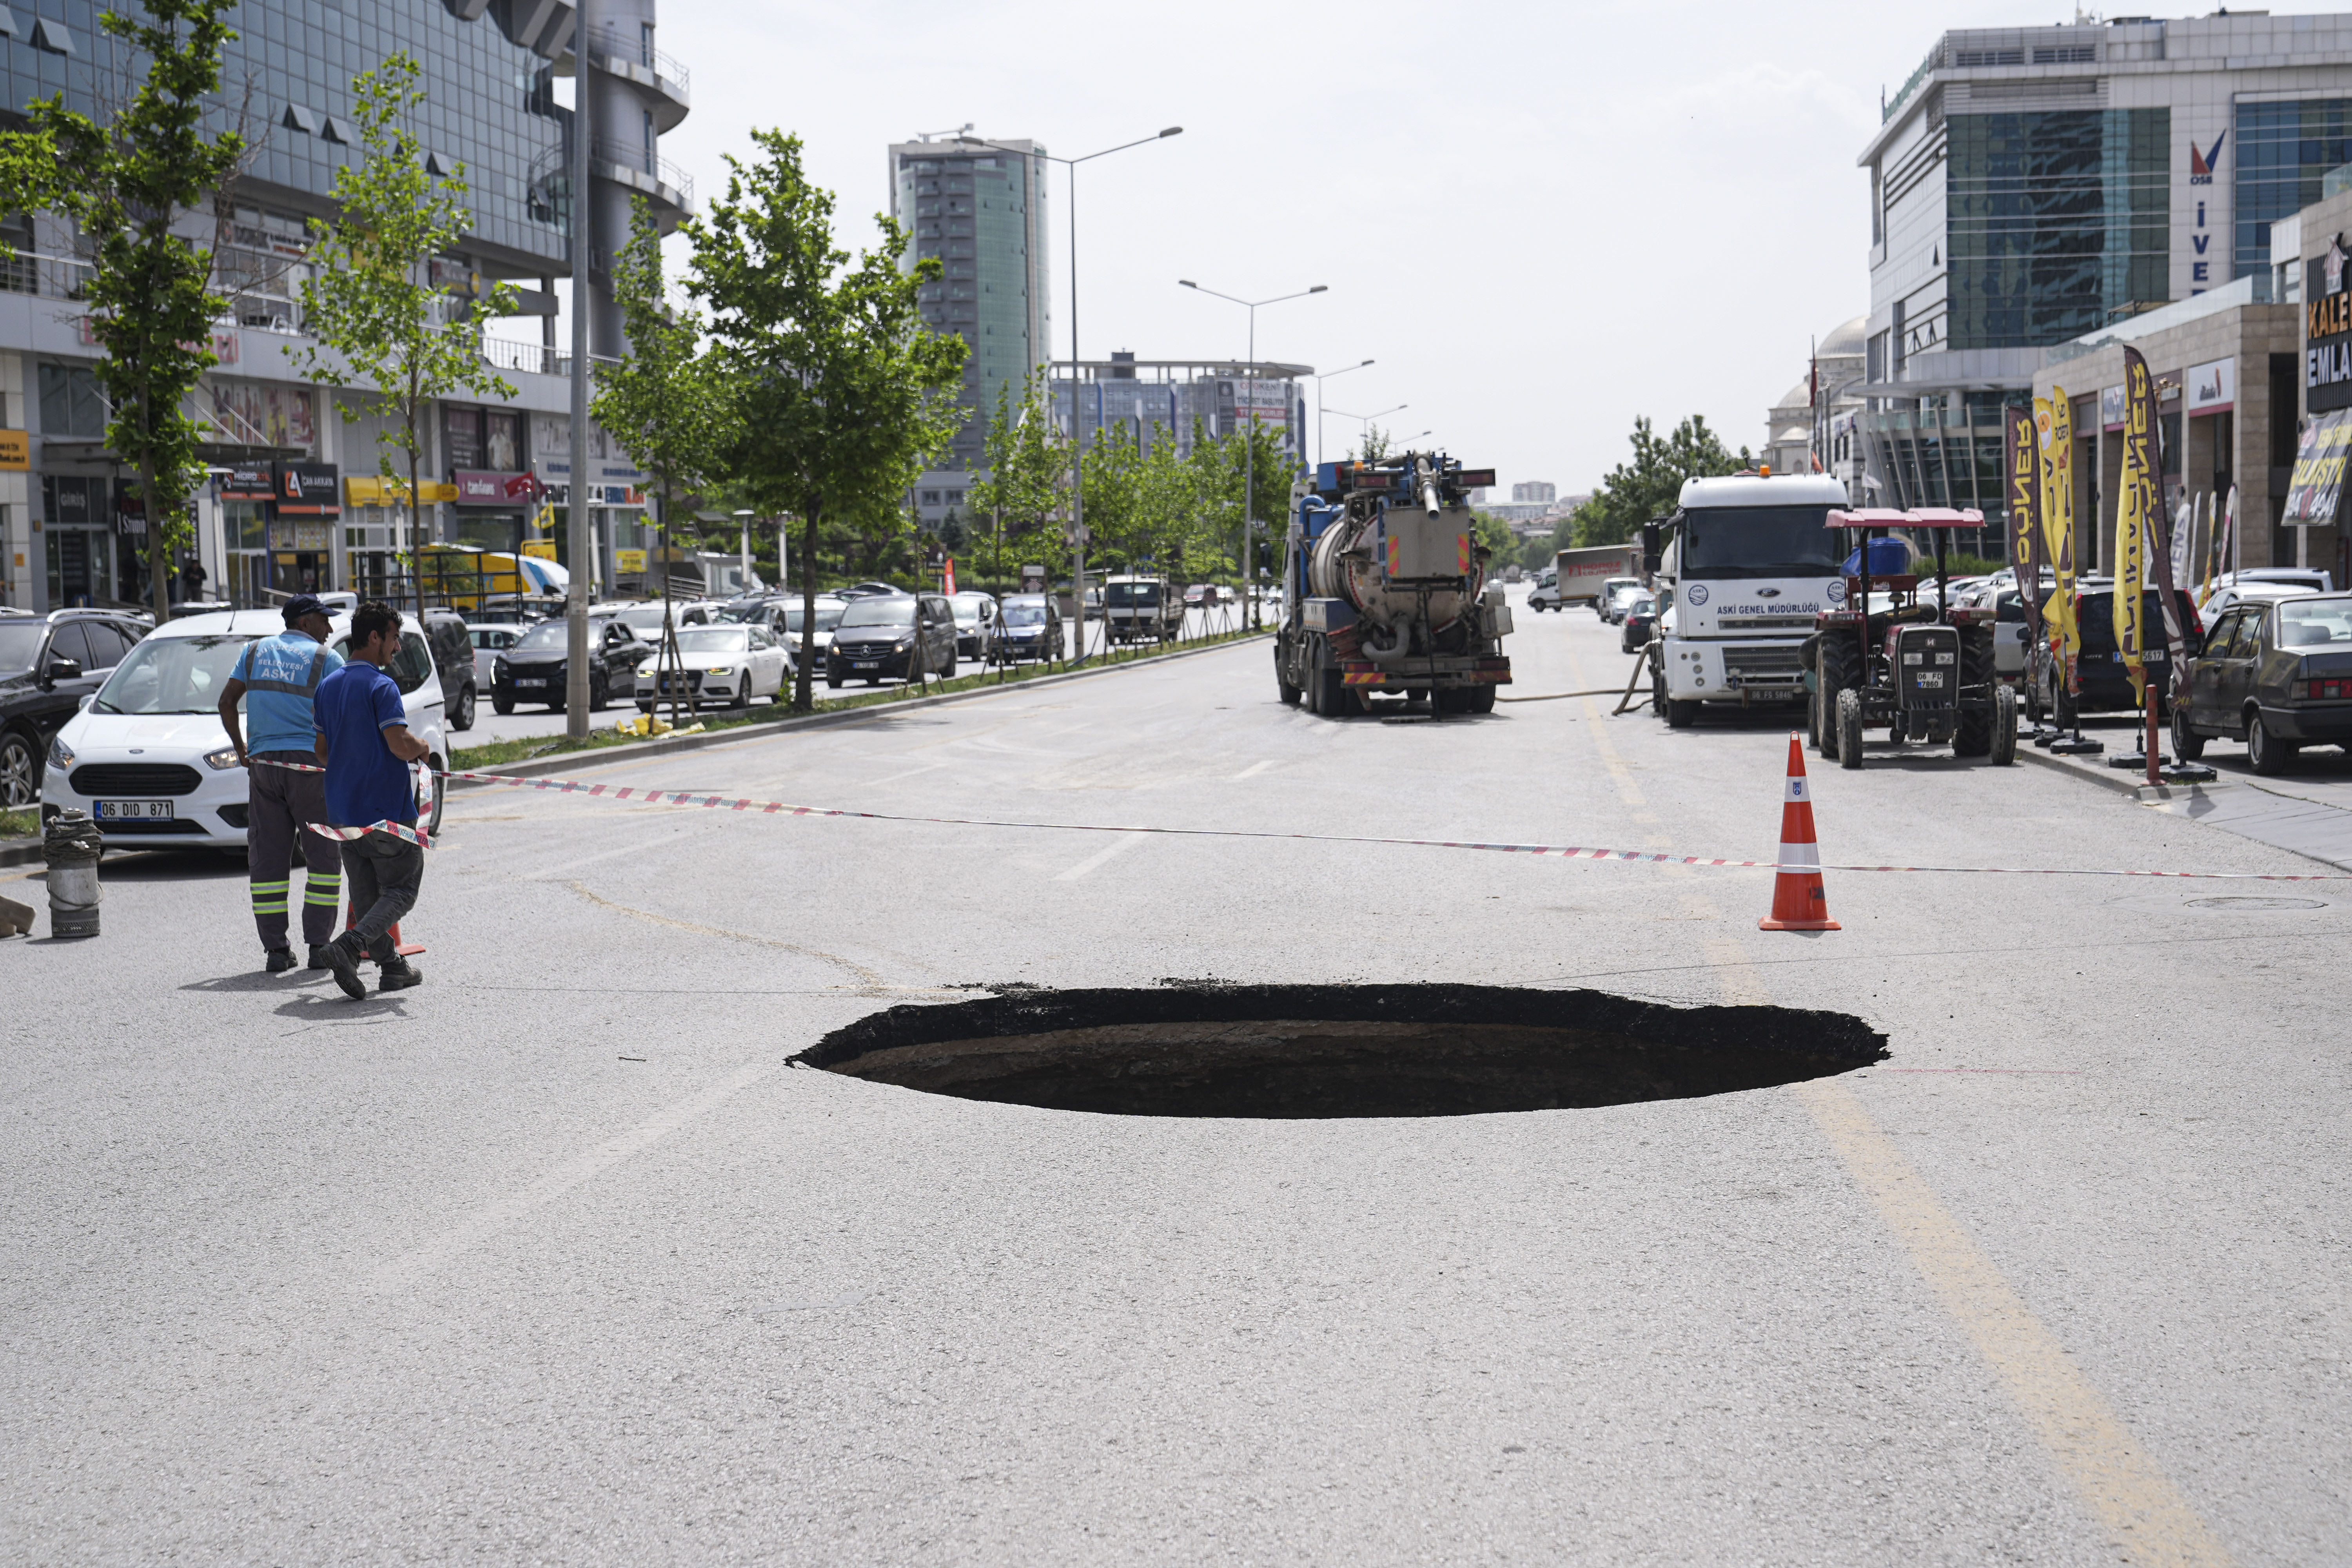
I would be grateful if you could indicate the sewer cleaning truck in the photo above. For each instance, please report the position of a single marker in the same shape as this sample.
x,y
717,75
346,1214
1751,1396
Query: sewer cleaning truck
x,y
1385,590
1741,568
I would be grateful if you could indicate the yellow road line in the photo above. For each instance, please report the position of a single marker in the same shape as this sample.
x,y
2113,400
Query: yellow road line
x,y
2143,1511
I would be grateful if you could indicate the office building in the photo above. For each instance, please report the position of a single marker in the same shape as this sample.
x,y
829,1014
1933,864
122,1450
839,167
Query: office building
x,y
979,207
297,504
1537,493
1211,398
2037,186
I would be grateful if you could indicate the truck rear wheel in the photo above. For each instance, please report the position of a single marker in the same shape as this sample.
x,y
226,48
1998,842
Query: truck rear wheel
x,y
1290,694
1849,727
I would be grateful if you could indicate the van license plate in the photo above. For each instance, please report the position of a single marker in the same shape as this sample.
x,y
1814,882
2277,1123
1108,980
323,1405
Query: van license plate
x,y
134,811
867,664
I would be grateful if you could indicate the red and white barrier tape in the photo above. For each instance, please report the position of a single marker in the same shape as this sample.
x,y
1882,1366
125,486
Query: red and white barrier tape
x,y
1565,851
399,830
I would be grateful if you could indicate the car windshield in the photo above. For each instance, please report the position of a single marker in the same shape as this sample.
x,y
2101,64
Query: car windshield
x,y
1019,615
1135,593
2310,623
171,675
1759,542
545,637
895,611
19,642
714,639
827,616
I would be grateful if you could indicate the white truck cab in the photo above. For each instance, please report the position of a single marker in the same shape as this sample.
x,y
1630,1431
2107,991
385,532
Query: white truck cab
x,y
1745,562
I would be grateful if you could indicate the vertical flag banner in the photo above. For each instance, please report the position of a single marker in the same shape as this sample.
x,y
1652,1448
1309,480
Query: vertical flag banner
x,y
2134,512
2022,458
2157,554
2058,526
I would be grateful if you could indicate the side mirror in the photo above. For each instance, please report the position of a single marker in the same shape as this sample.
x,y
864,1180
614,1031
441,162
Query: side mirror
x,y
1652,548
61,669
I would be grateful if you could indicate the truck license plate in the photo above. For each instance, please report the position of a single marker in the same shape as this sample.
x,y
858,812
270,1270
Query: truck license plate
x,y
134,811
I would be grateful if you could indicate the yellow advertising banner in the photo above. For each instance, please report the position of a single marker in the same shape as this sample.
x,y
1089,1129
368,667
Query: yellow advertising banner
x,y
16,451
630,562
2135,517
541,549
2058,524
377,490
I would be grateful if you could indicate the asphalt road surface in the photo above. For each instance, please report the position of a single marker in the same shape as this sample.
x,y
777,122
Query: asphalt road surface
x,y
554,1260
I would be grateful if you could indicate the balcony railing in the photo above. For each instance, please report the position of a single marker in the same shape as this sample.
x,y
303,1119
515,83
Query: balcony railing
x,y
615,42
628,157
534,359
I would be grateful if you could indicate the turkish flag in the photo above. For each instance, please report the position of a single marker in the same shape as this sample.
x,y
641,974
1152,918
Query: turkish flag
x,y
949,586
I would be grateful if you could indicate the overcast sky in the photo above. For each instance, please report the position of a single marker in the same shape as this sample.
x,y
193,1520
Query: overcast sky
x,y
1541,220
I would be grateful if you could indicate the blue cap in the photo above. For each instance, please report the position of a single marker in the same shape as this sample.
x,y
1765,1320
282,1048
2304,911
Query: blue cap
x,y
302,605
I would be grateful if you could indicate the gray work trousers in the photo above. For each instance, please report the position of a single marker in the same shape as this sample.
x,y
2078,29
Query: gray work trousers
x,y
385,874
277,802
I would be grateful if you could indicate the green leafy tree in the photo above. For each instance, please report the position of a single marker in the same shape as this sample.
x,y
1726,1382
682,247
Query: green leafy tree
x,y
1028,471
1647,487
371,303
129,185
840,393
658,403
1371,447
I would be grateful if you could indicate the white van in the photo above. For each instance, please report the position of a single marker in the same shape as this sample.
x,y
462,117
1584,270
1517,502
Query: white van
x,y
147,759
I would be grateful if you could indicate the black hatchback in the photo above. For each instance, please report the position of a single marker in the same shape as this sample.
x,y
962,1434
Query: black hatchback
x,y
47,664
533,669
2274,674
2099,667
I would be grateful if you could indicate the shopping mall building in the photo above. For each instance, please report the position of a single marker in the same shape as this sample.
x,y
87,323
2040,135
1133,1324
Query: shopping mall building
x,y
294,501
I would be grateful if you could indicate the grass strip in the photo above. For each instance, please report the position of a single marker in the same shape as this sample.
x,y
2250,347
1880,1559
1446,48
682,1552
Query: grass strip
x,y
468,758
24,824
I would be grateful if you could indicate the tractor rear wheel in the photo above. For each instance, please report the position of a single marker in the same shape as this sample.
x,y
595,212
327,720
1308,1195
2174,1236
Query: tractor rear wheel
x,y
1836,668
1849,727
2004,727
1974,737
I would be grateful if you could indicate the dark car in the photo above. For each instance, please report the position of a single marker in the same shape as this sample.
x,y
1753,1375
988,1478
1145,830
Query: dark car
x,y
452,642
2276,674
877,639
1033,628
1641,617
533,669
47,664
2099,668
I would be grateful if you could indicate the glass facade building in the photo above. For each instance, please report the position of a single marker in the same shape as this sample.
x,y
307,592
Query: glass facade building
x,y
2284,150
2056,222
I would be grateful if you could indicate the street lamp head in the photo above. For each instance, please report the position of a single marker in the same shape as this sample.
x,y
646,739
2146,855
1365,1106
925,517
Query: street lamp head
x,y
746,511
1361,366
1173,130
1321,289
1186,283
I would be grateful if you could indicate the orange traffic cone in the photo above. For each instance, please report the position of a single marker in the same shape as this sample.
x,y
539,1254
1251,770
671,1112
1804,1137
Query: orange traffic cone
x,y
1799,902
405,949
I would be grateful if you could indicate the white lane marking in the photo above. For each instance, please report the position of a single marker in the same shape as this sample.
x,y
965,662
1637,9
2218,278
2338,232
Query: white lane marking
x,y
1126,841
493,1217
911,773
1252,771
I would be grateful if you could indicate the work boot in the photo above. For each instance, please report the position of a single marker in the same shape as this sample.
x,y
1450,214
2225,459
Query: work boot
x,y
342,956
397,974
318,957
280,960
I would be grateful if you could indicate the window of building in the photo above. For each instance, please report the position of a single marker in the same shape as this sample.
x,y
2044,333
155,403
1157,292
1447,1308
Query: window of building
x,y
2283,151
71,401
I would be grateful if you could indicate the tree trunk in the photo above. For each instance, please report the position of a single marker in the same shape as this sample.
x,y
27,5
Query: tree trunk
x,y
805,678
159,555
416,498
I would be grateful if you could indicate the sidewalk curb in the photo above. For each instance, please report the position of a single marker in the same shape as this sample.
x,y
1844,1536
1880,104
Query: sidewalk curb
x,y
605,756
23,854
2132,785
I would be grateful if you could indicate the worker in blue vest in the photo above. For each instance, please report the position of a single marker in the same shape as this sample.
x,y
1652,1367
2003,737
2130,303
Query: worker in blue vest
x,y
277,678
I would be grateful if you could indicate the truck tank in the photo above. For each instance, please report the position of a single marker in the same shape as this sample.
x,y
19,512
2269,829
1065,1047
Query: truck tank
x,y
1399,565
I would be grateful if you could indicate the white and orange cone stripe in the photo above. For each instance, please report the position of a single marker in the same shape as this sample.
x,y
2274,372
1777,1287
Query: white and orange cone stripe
x,y
1800,902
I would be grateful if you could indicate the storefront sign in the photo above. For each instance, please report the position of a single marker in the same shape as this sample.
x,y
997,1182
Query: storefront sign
x,y
2327,332
16,451
377,490
308,490
540,549
250,481
2111,408
2213,388
308,536
2317,488
629,562
486,486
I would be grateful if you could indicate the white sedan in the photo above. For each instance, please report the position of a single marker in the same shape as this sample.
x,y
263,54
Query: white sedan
x,y
147,759
729,664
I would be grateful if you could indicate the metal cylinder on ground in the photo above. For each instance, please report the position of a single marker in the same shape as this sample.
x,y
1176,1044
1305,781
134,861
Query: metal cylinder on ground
x,y
71,845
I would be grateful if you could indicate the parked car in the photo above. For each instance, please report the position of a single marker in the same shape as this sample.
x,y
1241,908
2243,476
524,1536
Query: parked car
x,y
878,638
784,624
533,669
2010,633
1033,628
452,643
870,590
2243,592
975,618
732,665
47,664
1143,608
489,643
149,760
1605,600
646,620
1618,601
1641,615
2276,674
2310,577
2100,669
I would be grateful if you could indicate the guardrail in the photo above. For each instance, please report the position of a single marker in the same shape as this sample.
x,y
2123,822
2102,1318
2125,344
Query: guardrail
x,y
534,359
627,157
613,41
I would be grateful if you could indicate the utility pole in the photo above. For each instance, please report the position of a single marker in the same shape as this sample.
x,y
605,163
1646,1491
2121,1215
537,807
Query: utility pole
x,y
579,530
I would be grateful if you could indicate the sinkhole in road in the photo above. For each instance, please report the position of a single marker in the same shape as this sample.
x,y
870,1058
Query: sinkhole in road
x,y
1301,1051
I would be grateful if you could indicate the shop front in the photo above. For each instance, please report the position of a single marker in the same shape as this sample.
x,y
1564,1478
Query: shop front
x,y
245,493
301,536
80,532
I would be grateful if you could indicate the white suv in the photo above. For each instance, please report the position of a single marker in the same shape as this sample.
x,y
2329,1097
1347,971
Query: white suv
x,y
147,759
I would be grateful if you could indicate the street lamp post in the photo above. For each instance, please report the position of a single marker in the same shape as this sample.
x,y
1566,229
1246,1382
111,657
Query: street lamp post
x,y
1249,436
1318,406
1078,447
1364,421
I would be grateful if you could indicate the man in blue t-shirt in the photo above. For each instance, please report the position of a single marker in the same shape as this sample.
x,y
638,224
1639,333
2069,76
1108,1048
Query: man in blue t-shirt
x,y
277,678
365,744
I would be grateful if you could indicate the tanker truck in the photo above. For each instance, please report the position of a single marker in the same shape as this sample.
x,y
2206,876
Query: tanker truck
x,y
1385,591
